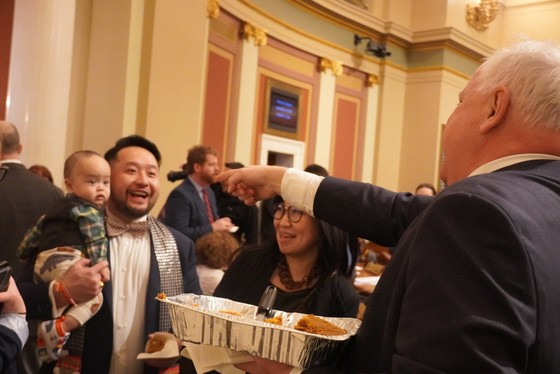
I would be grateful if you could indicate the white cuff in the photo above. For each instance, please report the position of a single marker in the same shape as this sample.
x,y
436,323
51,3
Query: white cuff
x,y
299,188
17,323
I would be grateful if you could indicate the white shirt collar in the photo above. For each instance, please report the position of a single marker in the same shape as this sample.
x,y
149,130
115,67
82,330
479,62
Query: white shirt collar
x,y
510,160
11,161
197,185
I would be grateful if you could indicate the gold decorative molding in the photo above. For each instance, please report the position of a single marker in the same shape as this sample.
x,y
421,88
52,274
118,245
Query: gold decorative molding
x,y
259,35
372,80
213,8
334,66
359,3
480,15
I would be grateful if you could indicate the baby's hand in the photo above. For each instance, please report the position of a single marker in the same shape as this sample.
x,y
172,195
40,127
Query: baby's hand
x,y
105,274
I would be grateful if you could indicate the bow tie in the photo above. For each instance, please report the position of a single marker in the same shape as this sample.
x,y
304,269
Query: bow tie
x,y
117,227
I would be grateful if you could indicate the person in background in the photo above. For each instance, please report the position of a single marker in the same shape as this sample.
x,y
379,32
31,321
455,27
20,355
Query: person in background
x,y
301,261
447,301
73,229
13,325
425,189
317,170
44,173
191,206
243,216
147,258
24,197
213,253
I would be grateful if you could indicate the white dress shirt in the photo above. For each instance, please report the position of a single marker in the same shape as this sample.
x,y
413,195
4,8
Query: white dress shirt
x,y
130,271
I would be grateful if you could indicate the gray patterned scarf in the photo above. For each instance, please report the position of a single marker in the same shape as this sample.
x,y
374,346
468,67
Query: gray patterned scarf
x,y
171,276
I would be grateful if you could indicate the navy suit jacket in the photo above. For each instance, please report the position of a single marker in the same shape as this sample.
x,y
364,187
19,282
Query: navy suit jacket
x,y
98,341
473,284
185,211
24,197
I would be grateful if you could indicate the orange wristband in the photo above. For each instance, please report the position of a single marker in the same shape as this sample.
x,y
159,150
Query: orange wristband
x,y
59,287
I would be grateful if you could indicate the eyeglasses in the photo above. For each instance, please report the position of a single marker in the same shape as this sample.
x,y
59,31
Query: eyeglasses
x,y
294,215
3,171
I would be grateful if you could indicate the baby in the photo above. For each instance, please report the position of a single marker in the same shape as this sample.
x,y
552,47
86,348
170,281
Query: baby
x,y
73,229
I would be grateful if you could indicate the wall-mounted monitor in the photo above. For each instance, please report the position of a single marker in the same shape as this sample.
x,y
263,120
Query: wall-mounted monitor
x,y
282,109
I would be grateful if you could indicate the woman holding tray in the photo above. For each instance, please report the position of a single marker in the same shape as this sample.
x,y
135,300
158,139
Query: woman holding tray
x,y
301,261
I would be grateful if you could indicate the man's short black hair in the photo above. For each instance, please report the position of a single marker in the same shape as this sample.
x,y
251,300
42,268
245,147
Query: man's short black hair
x,y
133,141
234,165
317,169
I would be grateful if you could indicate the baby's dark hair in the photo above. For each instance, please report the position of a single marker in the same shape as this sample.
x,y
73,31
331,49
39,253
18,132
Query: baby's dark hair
x,y
73,159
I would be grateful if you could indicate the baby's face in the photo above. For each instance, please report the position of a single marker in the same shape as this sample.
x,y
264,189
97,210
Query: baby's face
x,y
90,180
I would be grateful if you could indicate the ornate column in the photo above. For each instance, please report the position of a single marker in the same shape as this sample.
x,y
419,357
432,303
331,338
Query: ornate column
x,y
370,141
40,80
330,70
254,38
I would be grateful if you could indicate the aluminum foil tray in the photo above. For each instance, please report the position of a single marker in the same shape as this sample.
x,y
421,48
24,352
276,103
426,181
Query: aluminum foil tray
x,y
200,319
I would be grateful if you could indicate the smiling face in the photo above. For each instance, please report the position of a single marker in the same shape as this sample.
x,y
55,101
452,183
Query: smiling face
x,y
300,239
90,180
134,183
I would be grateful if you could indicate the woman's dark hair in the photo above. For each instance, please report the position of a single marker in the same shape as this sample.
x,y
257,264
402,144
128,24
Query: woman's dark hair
x,y
317,169
426,185
42,171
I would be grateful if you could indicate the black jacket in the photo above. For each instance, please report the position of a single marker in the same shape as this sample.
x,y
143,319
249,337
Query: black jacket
x,y
250,273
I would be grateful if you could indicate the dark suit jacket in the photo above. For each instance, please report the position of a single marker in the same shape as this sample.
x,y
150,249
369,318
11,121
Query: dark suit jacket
x,y
473,285
9,348
98,341
24,197
185,211
241,215
249,275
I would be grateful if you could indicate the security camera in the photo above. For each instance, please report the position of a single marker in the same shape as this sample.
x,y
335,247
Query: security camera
x,y
377,50
372,48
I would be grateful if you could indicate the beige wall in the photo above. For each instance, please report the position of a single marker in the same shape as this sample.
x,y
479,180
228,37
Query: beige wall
x,y
139,66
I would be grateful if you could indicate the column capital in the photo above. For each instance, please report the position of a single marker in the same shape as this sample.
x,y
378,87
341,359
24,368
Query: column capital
x,y
259,35
334,66
372,80
213,8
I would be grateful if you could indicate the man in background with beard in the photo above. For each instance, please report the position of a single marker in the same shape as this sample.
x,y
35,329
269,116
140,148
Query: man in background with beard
x,y
191,207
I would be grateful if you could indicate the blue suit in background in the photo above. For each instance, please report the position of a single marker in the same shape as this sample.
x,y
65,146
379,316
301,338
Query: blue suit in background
x,y
185,211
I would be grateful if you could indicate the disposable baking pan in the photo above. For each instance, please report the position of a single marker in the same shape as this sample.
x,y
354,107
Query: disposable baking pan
x,y
208,320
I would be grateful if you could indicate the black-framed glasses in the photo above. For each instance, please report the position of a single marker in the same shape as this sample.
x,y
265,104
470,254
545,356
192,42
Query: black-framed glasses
x,y
294,215
3,171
